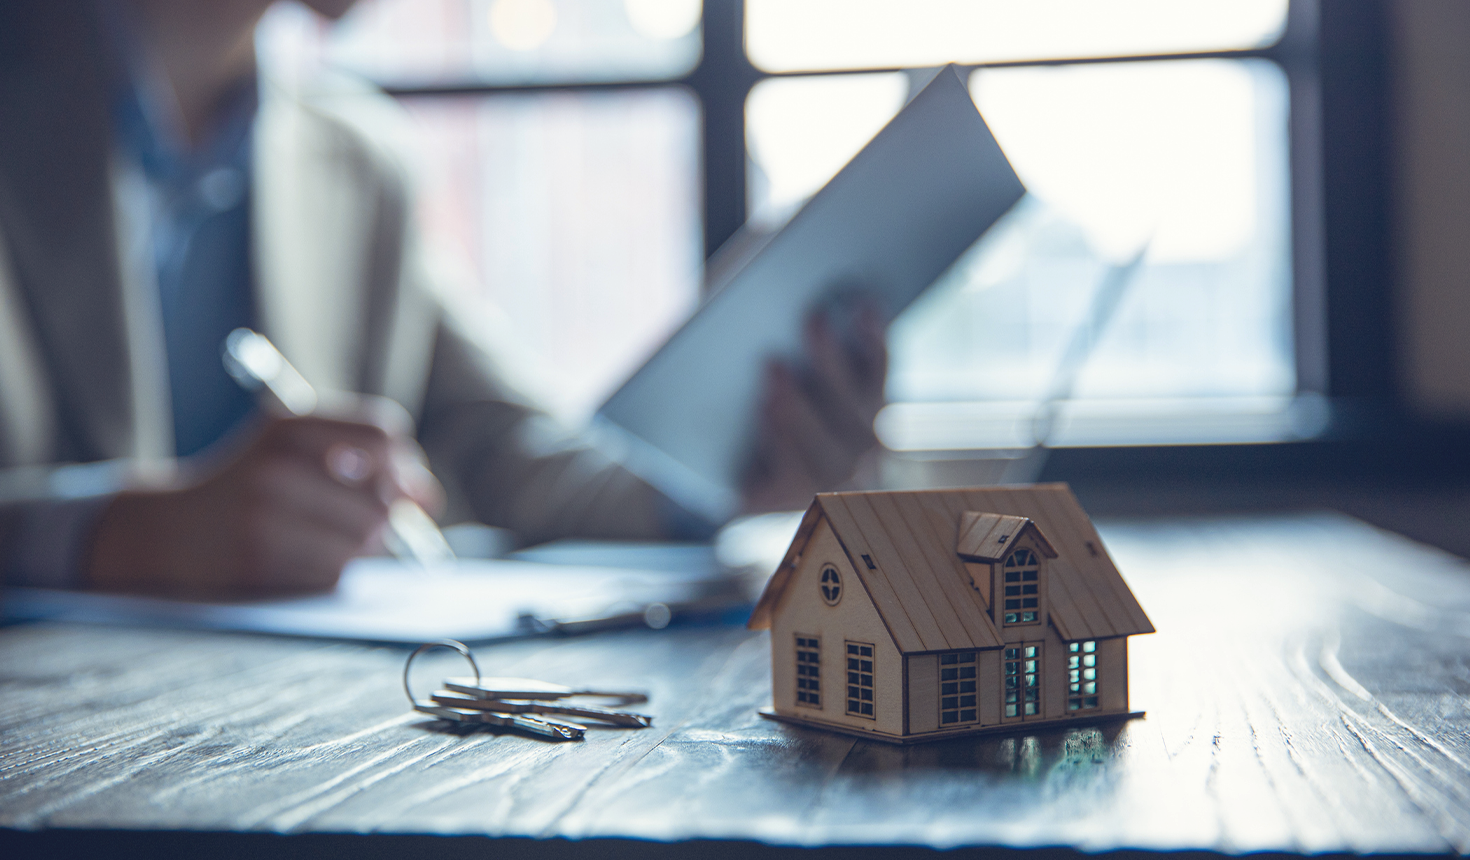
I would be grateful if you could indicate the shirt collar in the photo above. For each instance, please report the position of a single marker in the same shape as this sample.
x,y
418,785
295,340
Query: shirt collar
x,y
146,115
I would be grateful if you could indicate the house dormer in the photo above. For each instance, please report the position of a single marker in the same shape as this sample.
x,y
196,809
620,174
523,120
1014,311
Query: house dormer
x,y
1006,557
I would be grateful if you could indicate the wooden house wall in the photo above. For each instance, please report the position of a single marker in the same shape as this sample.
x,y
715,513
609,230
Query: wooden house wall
x,y
803,612
991,693
1112,674
1112,677
1055,679
923,691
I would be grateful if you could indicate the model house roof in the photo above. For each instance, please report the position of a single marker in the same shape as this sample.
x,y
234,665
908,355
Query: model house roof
x,y
990,537
904,547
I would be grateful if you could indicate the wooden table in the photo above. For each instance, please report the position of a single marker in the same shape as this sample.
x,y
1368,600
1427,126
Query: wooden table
x,y
1308,691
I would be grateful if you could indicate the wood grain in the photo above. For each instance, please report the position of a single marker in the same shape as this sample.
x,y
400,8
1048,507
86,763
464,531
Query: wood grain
x,y
1308,691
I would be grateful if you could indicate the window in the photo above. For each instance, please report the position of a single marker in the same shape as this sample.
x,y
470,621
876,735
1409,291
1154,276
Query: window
x,y
1022,588
810,35
582,156
421,43
1081,675
1185,151
808,671
570,209
957,688
831,585
1022,678
860,679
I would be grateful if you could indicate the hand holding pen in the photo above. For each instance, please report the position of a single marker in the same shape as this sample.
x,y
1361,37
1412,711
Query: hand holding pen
x,y
411,534
285,511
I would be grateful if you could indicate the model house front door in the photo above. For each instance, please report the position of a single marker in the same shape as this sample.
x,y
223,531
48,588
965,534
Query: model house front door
x,y
1021,681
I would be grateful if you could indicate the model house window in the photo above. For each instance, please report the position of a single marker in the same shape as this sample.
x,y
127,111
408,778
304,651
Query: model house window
x,y
957,688
860,679
1081,675
809,671
1023,681
831,585
1022,587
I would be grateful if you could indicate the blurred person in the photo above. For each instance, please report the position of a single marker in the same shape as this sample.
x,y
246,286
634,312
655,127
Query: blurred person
x,y
156,192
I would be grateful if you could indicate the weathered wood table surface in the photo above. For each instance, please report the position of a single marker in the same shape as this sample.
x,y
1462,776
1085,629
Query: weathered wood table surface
x,y
1308,691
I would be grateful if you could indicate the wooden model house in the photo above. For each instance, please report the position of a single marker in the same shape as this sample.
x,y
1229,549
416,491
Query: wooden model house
x,y
911,616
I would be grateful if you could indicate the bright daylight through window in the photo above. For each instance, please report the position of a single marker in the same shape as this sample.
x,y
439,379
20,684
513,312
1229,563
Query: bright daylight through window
x,y
1184,160
572,214
576,208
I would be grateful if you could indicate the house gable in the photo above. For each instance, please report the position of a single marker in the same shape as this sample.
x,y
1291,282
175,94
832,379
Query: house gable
x,y
761,617
809,611
900,629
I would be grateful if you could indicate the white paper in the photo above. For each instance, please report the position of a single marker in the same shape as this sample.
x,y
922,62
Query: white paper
x,y
384,600
905,208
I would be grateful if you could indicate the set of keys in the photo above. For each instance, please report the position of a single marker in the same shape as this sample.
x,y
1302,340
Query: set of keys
x,y
524,704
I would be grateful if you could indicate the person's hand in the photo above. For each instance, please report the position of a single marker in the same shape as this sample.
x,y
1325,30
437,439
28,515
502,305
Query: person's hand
x,y
816,426
303,496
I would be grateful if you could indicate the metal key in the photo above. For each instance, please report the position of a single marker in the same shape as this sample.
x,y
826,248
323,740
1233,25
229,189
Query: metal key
x,y
554,729
486,698
452,699
527,688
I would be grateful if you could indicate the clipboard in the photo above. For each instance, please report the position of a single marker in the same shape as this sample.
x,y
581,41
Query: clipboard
x,y
889,223
386,600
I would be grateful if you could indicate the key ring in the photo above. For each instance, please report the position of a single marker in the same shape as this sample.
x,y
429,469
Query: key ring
x,y
452,644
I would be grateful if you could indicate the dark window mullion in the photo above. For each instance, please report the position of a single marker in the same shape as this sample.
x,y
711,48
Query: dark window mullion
x,y
722,81
696,79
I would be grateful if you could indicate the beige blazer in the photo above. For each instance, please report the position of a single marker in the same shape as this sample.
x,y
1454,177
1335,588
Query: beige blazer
x,y
341,287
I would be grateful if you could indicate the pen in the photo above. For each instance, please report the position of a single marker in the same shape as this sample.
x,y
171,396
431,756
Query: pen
x,y
257,365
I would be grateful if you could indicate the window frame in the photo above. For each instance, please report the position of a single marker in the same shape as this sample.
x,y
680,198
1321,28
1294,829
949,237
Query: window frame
x,y
724,76
1020,654
849,650
1004,584
1335,58
965,681
830,588
1082,660
809,657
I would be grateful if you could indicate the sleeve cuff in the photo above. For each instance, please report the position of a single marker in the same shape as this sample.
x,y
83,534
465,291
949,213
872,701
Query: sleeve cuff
x,y
51,540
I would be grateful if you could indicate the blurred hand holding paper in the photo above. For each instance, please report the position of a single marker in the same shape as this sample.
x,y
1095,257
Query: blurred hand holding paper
x,y
904,209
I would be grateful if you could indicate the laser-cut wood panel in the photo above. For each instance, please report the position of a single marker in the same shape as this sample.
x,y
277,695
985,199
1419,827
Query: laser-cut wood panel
x,y
804,609
923,693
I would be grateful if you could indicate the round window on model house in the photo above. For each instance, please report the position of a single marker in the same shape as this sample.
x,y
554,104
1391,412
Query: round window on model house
x,y
831,585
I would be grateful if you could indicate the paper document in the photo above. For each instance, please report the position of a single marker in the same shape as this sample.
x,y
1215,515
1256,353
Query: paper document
x,y
889,224
384,600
